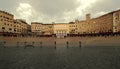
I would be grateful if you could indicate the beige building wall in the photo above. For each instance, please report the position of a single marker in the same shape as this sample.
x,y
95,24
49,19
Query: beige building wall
x,y
100,24
118,28
104,23
61,29
74,27
36,28
29,29
109,22
16,27
116,21
82,27
48,29
6,22
20,26
42,29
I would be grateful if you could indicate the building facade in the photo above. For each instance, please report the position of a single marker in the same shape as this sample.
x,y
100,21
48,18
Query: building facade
x,y
107,23
21,27
61,29
36,28
73,27
103,24
6,22
82,27
41,29
47,29
116,21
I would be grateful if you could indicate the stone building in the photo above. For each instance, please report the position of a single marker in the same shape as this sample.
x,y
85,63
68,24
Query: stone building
x,y
107,23
61,29
41,29
6,22
82,27
116,21
102,24
74,27
47,29
21,27
36,28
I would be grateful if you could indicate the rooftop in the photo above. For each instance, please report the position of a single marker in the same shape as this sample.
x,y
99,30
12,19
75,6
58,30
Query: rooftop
x,y
6,13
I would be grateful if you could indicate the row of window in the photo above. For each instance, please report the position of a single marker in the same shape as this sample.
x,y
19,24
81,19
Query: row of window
x,y
3,28
5,17
73,26
6,20
37,27
73,32
19,30
20,24
61,31
7,24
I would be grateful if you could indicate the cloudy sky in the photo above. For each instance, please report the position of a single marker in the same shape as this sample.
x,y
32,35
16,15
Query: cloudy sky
x,y
60,11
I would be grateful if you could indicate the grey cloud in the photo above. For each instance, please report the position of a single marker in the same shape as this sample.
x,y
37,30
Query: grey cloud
x,y
104,6
7,5
59,10
54,7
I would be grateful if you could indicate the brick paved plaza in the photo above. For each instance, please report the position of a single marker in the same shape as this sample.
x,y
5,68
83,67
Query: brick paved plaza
x,y
89,56
61,58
